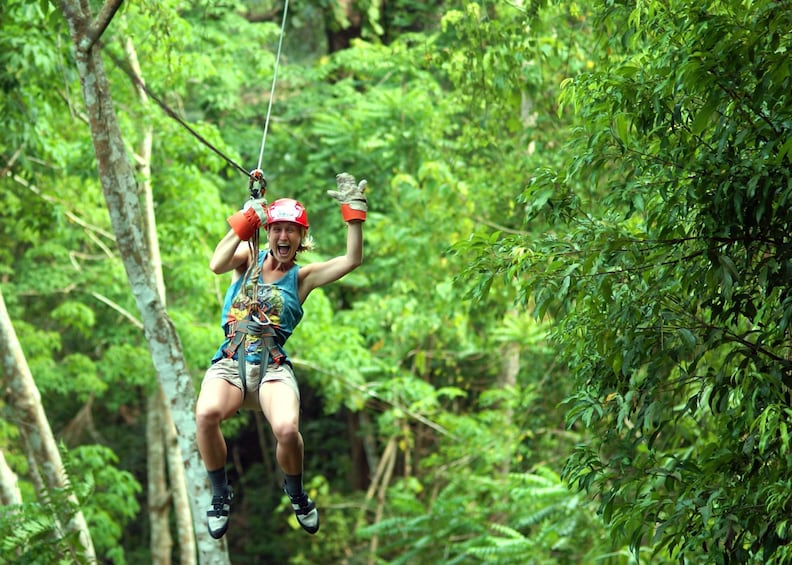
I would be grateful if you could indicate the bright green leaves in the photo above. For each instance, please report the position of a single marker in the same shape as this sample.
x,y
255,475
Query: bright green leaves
x,y
537,516
75,316
332,354
772,428
111,503
29,52
621,128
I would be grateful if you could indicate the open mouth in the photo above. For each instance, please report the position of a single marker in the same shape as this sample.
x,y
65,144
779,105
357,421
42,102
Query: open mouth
x,y
283,251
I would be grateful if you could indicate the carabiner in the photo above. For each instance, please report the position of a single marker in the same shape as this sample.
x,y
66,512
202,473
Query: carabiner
x,y
257,176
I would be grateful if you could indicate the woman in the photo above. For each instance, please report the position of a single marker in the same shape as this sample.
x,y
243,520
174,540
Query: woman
x,y
262,307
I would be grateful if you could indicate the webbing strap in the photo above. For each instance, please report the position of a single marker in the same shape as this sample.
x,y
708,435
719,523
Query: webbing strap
x,y
251,324
237,332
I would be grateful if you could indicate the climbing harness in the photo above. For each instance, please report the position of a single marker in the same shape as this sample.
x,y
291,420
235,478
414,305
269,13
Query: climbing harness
x,y
237,332
252,324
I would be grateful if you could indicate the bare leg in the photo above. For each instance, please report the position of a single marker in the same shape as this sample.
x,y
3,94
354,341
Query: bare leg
x,y
281,407
218,401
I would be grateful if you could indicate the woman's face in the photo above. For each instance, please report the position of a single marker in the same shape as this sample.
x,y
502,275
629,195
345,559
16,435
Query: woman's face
x,y
284,240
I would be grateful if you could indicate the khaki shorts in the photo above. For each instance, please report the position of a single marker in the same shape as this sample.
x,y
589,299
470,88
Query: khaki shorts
x,y
228,370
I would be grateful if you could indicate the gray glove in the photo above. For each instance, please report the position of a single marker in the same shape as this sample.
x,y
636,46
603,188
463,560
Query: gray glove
x,y
351,197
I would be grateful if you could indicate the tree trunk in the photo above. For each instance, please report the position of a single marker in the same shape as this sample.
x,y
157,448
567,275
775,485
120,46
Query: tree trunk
x,y
339,38
178,483
9,486
379,487
360,471
46,466
162,440
120,192
161,541
510,368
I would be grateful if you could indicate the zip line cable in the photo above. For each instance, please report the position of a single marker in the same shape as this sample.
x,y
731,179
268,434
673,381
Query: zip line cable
x,y
274,78
253,175
139,82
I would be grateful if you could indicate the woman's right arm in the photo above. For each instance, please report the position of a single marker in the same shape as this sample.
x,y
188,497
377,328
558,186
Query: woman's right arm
x,y
230,254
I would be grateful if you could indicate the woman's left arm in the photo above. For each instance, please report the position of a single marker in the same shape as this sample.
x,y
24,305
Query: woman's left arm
x,y
319,274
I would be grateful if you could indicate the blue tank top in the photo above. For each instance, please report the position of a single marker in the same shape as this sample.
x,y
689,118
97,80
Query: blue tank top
x,y
279,301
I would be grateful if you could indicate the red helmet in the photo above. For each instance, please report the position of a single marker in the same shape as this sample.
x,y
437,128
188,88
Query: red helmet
x,y
287,210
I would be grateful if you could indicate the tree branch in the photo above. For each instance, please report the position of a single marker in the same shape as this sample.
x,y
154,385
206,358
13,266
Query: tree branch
x,y
11,162
125,313
100,24
91,230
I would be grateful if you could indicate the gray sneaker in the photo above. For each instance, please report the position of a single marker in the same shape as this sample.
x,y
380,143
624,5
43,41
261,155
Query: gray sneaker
x,y
306,512
218,514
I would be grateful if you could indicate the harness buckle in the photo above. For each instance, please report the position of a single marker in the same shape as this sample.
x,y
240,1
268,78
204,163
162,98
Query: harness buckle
x,y
255,318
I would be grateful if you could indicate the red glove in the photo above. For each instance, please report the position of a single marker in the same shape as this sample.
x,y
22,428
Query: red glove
x,y
250,218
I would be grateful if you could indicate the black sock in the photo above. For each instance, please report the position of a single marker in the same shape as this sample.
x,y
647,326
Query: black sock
x,y
219,481
294,484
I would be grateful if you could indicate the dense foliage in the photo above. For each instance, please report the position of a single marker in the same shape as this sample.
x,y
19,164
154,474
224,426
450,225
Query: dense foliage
x,y
667,272
574,295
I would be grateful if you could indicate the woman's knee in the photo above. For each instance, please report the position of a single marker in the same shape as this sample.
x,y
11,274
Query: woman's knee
x,y
217,401
209,411
207,415
286,432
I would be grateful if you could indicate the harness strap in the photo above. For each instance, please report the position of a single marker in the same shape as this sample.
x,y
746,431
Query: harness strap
x,y
270,342
236,334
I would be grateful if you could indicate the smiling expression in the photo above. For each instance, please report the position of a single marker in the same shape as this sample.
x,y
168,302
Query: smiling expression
x,y
284,240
